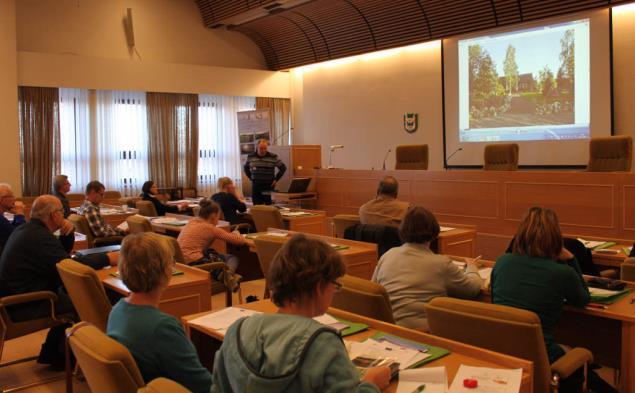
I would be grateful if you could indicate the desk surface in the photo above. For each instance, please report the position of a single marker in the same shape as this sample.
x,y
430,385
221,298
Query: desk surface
x,y
459,353
162,228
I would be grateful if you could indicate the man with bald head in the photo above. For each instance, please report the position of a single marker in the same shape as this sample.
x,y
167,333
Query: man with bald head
x,y
384,209
28,264
9,205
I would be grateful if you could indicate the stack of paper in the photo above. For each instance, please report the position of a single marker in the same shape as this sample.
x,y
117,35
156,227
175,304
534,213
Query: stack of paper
x,y
445,229
591,243
328,320
490,380
372,348
169,221
599,292
223,319
428,380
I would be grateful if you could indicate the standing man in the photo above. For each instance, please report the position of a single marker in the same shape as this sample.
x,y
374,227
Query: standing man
x,y
61,187
9,205
260,168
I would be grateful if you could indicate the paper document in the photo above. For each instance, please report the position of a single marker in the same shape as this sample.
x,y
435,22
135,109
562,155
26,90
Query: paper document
x,y
374,349
485,273
223,319
279,234
446,229
80,237
489,380
590,243
602,292
293,214
428,380
325,319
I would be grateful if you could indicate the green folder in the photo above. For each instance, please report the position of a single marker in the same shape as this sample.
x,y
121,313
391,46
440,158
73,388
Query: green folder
x,y
338,247
434,352
610,299
353,327
604,245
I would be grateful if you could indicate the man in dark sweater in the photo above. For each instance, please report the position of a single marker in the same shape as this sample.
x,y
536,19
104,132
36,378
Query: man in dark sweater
x,y
28,265
260,168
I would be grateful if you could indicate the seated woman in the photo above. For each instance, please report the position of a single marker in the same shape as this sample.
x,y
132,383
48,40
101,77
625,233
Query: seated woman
x,y
539,275
289,351
413,274
198,235
149,191
229,201
156,340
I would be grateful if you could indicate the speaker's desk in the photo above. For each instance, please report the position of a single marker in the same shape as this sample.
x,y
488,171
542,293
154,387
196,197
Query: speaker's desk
x,y
360,258
207,341
187,293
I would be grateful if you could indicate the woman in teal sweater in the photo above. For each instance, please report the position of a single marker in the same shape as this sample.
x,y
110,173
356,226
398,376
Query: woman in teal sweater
x,y
156,340
289,351
540,274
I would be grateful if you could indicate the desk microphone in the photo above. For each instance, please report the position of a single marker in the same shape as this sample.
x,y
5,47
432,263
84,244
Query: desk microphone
x,y
331,150
383,167
333,147
452,155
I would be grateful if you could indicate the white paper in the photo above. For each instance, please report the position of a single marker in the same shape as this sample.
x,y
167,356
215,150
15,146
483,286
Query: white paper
x,y
293,214
602,292
123,226
459,264
446,229
223,319
434,379
406,357
485,273
325,319
590,243
490,380
80,237
279,234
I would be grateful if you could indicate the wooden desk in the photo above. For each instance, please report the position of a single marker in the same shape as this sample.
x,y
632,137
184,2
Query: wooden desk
x,y
113,214
174,230
314,223
207,341
285,197
609,333
600,204
458,241
360,258
186,294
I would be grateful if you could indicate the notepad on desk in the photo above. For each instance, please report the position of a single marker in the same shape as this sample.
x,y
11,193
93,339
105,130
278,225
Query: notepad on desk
x,y
223,319
491,380
428,380
596,244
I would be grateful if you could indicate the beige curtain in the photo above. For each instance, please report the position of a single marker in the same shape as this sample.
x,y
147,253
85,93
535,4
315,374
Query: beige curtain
x,y
279,112
173,139
39,116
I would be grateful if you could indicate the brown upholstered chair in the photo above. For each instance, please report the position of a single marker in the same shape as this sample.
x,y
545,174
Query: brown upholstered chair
x,y
501,157
266,217
266,248
138,224
86,291
517,332
75,199
190,192
163,385
343,221
10,329
129,201
411,157
628,269
107,365
146,208
610,154
363,297
81,225
116,195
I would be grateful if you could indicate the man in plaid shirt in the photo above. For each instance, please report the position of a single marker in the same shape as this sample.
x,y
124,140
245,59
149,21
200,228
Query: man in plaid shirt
x,y
90,209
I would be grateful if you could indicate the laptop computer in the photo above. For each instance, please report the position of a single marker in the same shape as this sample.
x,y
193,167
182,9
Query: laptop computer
x,y
297,185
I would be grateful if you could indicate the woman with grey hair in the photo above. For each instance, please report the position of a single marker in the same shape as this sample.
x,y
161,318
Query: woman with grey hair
x,y
156,340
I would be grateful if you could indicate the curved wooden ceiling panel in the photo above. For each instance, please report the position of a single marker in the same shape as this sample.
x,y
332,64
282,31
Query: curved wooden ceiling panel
x,y
323,30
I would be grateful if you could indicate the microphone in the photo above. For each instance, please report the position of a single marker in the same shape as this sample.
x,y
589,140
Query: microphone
x,y
383,167
333,147
452,155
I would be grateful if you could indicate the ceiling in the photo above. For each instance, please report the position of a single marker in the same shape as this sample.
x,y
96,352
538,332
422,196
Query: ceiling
x,y
293,33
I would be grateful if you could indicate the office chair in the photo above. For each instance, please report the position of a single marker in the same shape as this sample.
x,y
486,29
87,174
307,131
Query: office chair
x,y
138,224
146,208
81,225
266,249
411,157
610,154
501,157
266,217
363,297
343,221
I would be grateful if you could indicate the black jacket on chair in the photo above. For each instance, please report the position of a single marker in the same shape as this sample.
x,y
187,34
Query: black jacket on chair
x,y
386,237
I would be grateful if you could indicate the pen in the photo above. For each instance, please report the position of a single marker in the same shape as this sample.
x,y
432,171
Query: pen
x,y
419,388
598,306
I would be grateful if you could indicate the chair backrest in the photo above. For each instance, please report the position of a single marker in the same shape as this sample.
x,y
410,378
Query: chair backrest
x,y
411,157
146,208
10,329
501,157
81,225
517,332
385,236
266,217
628,269
138,224
343,221
112,195
189,192
107,365
610,154
86,291
75,199
363,297
178,253
266,248
129,201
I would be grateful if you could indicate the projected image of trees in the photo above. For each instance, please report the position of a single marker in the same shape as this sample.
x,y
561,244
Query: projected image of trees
x,y
523,82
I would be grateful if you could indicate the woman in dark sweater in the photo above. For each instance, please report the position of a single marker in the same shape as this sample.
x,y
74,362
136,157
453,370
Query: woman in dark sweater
x,y
229,202
149,192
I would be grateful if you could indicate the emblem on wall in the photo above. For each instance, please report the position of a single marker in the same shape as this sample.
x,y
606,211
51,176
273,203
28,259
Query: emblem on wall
x,y
410,122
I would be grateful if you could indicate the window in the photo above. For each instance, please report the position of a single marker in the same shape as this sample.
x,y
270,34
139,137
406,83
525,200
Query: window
x,y
75,137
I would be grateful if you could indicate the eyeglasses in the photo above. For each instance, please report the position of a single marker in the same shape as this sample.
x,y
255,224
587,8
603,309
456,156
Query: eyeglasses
x,y
337,284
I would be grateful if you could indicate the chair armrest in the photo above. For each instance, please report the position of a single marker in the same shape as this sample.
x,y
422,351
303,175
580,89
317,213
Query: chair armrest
x,y
571,361
108,239
27,298
158,385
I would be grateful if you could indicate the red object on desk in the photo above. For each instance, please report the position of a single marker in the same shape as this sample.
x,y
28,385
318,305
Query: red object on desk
x,y
470,383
